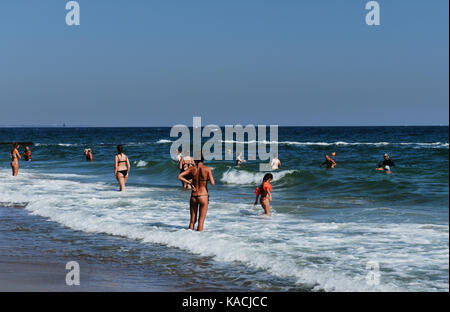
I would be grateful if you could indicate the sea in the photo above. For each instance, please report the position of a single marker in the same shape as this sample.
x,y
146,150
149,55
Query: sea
x,y
351,228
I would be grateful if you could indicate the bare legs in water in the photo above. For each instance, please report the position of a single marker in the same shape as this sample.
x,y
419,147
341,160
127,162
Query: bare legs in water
x,y
15,156
122,180
15,167
199,208
198,203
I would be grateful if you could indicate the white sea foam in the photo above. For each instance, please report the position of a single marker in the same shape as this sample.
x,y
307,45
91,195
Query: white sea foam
x,y
162,141
325,256
343,143
96,144
140,163
337,143
58,144
235,176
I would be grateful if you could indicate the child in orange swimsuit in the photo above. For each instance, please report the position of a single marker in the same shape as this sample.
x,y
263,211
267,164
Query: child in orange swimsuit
x,y
264,190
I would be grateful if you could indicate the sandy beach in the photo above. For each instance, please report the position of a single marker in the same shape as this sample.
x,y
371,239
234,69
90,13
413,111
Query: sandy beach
x,y
30,262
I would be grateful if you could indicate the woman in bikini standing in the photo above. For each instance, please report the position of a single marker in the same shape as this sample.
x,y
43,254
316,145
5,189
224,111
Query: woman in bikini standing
x,y
200,174
15,156
121,167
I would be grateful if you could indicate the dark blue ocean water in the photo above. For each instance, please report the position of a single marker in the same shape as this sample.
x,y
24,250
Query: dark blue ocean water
x,y
325,227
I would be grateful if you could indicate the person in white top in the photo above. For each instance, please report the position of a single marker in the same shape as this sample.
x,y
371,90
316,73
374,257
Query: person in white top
x,y
179,156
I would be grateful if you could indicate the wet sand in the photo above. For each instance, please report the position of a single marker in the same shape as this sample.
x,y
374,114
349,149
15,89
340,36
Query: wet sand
x,y
30,262
36,275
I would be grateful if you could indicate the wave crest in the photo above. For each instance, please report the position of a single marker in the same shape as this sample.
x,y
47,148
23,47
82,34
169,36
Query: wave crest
x,y
163,141
242,177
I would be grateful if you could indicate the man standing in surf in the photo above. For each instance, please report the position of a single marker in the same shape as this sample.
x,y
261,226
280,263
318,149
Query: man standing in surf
x,y
27,154
329,162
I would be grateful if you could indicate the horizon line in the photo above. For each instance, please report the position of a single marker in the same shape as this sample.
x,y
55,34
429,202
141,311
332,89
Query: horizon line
x,y
221,126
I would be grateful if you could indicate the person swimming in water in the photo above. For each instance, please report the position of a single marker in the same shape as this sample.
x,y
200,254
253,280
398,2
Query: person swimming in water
x,y
185,164
88,154
329,162
199,200
239,160
265,192
27,154
275,163
15,156
121,167
385,165
387,161
386,168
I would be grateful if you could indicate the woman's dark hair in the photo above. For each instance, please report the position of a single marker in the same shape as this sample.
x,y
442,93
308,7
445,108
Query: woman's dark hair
x,y
202,159
15,145
267,177
120,149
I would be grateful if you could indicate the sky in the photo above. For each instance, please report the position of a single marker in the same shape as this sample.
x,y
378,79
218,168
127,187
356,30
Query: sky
x,y
159,63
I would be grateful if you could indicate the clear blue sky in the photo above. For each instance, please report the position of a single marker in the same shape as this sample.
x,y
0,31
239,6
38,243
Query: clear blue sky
x,y
158,63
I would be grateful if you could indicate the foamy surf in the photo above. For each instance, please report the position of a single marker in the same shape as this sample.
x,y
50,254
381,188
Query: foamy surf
x,y
140,163
163,141
243,177
13,204
320,256
438,145
344,143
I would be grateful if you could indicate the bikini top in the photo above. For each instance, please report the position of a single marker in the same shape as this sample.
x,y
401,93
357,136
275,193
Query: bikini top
x,y
121,161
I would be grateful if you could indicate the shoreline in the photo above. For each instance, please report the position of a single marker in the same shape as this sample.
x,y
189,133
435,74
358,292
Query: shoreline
x,y
39,274
34,252
30,262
